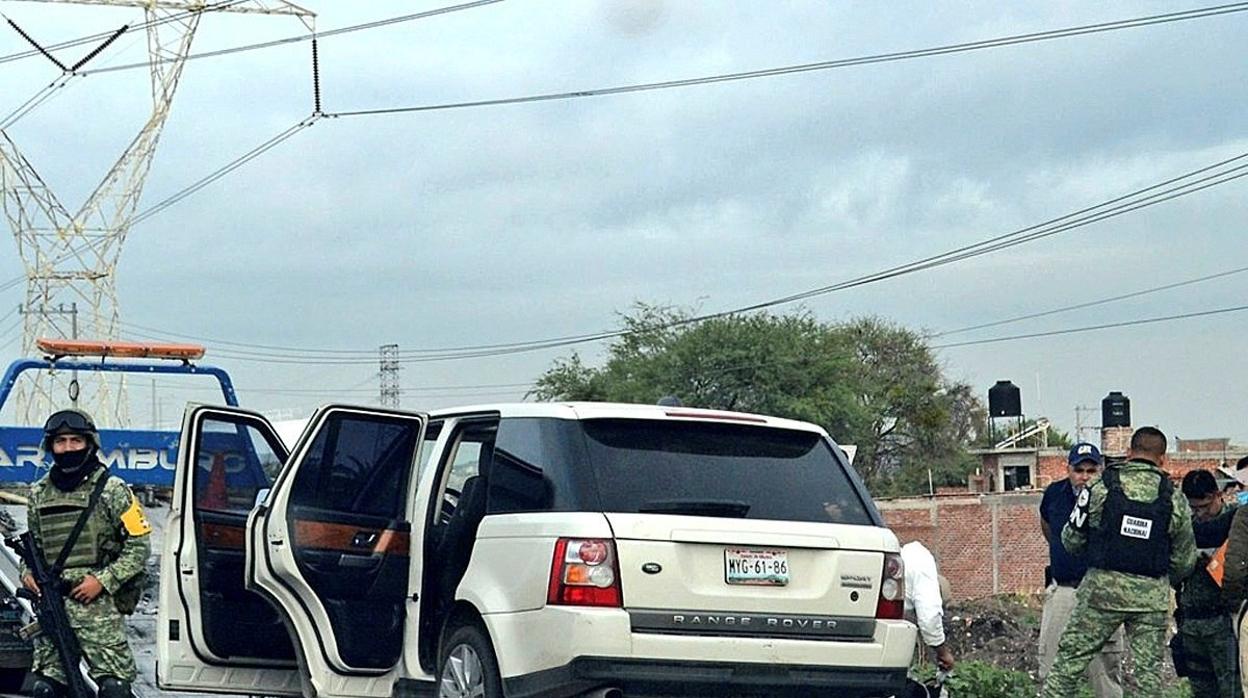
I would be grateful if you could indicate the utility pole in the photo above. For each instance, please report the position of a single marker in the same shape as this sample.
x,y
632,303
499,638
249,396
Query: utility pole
x,y
1080,427
48,312
389,374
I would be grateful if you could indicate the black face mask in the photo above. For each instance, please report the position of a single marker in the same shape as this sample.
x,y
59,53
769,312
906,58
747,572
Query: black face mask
x,y
69,469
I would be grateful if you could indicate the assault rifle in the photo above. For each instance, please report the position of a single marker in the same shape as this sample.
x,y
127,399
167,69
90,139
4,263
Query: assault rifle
x,y
49,605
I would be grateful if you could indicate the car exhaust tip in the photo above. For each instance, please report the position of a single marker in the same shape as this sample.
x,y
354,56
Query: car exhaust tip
x,y
604,693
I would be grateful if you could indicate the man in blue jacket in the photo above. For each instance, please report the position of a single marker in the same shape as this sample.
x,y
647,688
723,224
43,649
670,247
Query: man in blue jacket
x,y
1083,463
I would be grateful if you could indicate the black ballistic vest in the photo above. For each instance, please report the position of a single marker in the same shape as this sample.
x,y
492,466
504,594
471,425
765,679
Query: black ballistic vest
x,y
1133,537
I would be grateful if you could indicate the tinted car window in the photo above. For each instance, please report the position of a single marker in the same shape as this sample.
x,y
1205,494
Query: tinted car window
x,y
357,465
535,468
702,468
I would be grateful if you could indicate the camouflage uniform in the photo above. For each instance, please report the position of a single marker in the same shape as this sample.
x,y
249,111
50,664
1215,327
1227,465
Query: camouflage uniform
x,y
1107,599
113,547
1207,634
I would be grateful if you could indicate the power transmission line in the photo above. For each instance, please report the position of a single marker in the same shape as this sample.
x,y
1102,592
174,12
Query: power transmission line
x,y
92,38
304,37
1198,13
69,73
1072,330
1086,216
1133,201
1089,304
11,333
416,391
225,169
1092,328
282,350
1132,23
1141,198
35,101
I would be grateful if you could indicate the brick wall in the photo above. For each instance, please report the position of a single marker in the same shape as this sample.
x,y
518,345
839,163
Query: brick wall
x,y
1050,467
984,544
1051,464
1202,445
1115,440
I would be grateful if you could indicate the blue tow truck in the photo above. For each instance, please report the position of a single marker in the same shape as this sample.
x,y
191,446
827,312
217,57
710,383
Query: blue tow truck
x,y
140,457
143,458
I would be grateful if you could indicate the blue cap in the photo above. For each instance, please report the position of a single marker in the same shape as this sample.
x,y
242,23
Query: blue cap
x,y
1084,451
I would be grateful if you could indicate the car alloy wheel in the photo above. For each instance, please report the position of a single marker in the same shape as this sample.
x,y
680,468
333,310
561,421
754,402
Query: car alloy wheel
x,y
462,676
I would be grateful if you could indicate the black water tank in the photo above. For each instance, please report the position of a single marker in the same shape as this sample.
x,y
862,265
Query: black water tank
x,y
1115,410
1004,400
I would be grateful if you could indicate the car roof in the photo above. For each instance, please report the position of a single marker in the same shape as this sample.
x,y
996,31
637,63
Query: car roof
x,y
618,410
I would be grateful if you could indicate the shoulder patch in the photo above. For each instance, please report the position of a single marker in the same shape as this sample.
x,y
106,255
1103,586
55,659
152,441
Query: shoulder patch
x,y
134,520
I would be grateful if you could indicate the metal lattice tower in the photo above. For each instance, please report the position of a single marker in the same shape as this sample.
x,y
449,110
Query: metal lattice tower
x,y
72,257
389,373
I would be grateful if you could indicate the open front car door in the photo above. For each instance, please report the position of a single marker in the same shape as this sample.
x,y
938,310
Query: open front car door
x,y
213,634
330,546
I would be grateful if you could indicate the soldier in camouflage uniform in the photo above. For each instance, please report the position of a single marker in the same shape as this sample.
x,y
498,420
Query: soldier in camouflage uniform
x,y
1136,530
106,561
1206,634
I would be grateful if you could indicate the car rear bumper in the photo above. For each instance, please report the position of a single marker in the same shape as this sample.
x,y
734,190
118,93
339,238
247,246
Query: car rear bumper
x,y
580,649
650,677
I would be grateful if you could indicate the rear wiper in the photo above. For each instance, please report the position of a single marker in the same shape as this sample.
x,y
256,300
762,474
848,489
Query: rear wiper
x,y
728,508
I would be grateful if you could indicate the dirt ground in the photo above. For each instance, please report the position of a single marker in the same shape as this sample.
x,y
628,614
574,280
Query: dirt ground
x,y
1004,631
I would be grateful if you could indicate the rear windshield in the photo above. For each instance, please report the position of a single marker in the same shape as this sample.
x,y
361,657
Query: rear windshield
x,y
657,466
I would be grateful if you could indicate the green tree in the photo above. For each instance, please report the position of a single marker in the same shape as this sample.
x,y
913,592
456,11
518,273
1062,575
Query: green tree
x,y
868,382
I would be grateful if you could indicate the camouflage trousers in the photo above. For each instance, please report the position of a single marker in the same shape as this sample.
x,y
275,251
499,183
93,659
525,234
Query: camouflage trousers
x,y
1211,656
101,631
1088,630
1105,670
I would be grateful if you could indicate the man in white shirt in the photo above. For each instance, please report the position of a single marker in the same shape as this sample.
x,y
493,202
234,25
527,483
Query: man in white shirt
x,y
923,599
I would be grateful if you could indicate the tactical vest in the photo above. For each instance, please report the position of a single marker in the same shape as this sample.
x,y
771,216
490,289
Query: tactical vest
x,y
1133,537
97,545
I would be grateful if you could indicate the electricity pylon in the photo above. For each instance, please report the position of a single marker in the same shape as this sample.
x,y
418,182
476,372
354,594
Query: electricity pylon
x,y
72,258
391,396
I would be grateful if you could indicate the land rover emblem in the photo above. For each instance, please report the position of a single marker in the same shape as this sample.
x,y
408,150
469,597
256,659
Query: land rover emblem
x,y
652,568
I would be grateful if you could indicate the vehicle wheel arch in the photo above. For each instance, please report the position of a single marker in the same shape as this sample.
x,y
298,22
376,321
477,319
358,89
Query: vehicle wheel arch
x,y
462,613
464,617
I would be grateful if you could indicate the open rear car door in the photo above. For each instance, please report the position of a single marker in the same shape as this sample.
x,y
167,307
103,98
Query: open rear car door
x,y
330,546
212,633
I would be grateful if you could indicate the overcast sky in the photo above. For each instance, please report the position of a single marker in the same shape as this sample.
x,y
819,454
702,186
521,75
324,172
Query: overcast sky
x,y
510,223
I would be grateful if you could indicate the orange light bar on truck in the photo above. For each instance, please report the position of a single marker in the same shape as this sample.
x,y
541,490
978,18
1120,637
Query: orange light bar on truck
x,y
124,350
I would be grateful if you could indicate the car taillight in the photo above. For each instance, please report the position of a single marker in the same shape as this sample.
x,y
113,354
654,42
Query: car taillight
x,y
584,573
892,603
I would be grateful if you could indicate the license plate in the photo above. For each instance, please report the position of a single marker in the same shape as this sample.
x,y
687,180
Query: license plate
x,y
757,567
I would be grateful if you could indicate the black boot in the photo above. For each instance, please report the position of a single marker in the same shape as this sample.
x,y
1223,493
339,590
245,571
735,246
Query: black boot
x,y
111,687
43,687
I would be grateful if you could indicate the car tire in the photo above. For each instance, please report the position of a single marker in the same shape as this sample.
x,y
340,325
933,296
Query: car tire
x,y
467,667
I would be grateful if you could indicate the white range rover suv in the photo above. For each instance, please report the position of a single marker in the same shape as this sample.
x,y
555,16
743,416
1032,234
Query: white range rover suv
x,y
525,550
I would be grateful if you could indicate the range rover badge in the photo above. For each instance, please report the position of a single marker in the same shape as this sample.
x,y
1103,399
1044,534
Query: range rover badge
x,y
652,568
